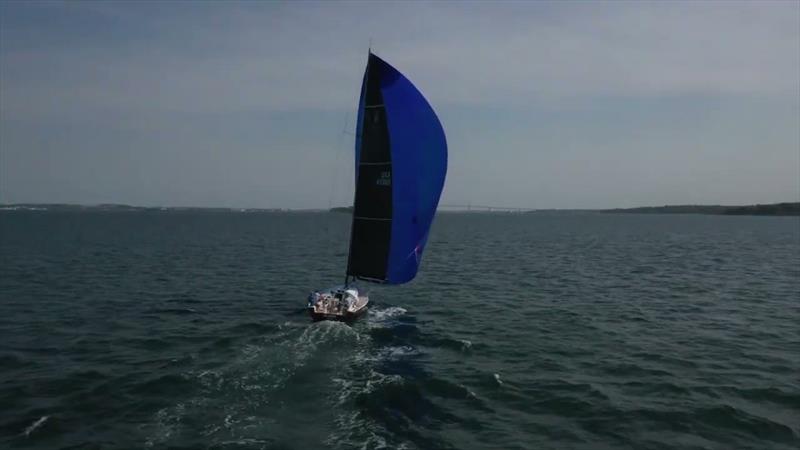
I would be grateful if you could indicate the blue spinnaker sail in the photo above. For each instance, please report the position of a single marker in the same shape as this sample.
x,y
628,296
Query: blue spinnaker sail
x,y
419,164
401,162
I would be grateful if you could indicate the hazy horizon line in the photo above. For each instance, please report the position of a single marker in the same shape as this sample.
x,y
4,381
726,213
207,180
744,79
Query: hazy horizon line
x,y
440,207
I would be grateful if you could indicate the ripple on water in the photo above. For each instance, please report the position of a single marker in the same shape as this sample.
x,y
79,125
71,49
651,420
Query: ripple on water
x,y
168,330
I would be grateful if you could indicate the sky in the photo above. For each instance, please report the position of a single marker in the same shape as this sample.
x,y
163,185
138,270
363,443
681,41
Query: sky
x,y
545,105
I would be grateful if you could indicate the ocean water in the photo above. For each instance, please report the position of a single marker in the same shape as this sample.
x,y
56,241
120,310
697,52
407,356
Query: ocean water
x,y
187,330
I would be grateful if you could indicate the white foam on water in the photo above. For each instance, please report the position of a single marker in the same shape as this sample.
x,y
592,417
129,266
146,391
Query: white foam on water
x,y
253,376
380,315
35,425
465,344
166,424
377,379
211,429
470,392
395,352
352,429
325,330
497,379
344,389
354,432
348,389
245,441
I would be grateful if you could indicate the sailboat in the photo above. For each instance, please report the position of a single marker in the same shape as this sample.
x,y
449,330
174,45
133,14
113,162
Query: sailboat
x,y
400,168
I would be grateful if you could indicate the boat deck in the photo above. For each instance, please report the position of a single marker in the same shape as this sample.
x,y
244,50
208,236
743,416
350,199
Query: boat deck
x,y
337,304
330,305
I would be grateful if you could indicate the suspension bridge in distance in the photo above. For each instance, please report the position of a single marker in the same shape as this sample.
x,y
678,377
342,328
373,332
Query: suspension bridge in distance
x,y
483,208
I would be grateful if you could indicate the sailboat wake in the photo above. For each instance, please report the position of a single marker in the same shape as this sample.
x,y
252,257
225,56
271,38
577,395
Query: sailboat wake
x,y
242,399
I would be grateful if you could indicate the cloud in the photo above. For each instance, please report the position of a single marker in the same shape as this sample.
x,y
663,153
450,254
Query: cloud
x,y
275,57
228,102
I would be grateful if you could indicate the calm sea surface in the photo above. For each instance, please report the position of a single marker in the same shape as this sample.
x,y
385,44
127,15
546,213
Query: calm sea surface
x,y
187,330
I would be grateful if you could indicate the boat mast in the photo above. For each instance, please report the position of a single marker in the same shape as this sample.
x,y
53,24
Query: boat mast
x,y
355,187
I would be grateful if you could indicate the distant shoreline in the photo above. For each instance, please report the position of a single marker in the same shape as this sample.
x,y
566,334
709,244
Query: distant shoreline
x,y
772,209
114,207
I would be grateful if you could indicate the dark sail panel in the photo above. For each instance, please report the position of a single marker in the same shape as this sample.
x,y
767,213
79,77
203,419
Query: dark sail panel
x,y
372,214
374,189
370,249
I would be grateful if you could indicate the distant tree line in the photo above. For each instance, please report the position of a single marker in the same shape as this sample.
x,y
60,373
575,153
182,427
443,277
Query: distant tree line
x,y
342,209
773,209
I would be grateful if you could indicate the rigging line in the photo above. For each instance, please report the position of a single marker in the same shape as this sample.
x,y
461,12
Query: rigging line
x,y
355,173
334,184
337,157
